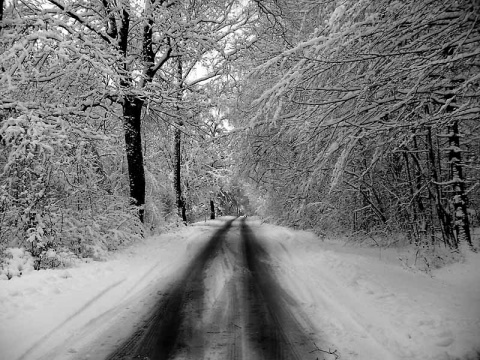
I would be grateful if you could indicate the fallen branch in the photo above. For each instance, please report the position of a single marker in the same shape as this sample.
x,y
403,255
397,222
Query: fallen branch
x,y
330,352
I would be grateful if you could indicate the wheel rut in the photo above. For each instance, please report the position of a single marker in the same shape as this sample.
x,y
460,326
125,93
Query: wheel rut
x,y
159,337
273,329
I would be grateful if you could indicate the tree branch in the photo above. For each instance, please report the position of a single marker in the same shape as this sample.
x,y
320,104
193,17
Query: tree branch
x,y
81,20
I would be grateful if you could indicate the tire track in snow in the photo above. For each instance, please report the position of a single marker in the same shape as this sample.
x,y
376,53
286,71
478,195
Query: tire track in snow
x,y
159,337
272,328
42,340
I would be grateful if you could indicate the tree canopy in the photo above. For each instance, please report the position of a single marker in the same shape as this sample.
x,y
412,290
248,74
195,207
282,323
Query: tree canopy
x,y
117,116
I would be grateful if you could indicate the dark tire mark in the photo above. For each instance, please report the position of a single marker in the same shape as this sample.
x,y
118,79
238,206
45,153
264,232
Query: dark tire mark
x,y
273,330
161,335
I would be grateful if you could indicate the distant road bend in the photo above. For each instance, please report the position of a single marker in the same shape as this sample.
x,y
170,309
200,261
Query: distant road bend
x,y
227,305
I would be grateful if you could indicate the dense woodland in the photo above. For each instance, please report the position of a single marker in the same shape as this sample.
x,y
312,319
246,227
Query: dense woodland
x,y
119,118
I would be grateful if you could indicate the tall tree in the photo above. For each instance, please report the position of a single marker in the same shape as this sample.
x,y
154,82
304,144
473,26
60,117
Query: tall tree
x,y
150,62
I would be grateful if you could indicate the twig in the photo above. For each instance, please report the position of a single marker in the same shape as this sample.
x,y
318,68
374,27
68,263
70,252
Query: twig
x,y
330,352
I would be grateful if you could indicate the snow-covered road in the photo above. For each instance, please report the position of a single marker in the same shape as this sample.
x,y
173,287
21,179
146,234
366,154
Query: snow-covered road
x,y
358,303
225,305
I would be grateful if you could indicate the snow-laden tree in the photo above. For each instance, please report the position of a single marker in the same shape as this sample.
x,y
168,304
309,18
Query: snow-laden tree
x,y
61,183
335,110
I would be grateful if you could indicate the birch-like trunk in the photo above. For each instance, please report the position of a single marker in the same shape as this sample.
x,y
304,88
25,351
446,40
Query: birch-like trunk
x,y
460,200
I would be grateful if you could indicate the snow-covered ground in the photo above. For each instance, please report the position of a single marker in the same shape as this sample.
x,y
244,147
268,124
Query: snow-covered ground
x,y
43,311
367,303
361,300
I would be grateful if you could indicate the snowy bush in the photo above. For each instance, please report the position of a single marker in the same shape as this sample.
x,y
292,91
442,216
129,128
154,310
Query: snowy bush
x,y
53,238
16,262
59,197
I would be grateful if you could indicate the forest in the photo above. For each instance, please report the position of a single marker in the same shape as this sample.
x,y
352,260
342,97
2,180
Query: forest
x,y
122,118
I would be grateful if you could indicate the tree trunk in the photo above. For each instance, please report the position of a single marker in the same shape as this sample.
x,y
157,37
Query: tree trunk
x,y
437,195
132,123
418,183
1,12
184,212
177,182
462,223
413,213
212,209
132,111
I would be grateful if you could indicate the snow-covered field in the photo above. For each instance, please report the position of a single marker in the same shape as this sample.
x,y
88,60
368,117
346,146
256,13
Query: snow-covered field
x,y
361,300
372,307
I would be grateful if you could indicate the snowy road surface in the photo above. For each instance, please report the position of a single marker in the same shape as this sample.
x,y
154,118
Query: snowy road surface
x,y
240,290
